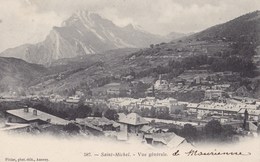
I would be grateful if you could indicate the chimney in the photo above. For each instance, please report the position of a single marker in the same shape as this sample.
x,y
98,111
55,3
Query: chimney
x,y
26,109
35,112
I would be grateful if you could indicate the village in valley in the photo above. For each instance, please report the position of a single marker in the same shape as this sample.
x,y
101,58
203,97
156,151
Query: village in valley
x,y
149,111
94,79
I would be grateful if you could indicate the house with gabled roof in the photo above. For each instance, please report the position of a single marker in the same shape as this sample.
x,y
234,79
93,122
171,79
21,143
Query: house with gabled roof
x,y
168,139
132,122
31,115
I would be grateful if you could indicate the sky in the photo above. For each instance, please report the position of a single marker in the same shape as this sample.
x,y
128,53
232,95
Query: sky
x,y
29,21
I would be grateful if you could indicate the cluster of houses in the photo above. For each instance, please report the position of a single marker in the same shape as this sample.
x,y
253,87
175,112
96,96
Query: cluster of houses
x,y
136,125
142,103
188,81
215,85
232,107
127,126
133,125
231,112
225,110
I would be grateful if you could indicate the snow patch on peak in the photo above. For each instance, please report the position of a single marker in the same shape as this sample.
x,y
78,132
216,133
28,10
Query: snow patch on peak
x,y
135,27
138,27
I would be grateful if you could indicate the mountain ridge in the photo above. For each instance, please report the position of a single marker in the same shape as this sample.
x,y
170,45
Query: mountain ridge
x,y
81,34
16,74
204,51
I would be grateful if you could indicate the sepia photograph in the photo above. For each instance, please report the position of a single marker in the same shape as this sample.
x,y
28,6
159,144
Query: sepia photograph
x,y
129,80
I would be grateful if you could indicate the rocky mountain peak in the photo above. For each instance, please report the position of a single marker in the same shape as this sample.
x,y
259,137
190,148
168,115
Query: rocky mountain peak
x,y
84,32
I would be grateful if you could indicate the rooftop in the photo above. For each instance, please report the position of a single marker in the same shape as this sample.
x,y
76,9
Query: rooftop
x,y
170,139
29,116
146,128
133,119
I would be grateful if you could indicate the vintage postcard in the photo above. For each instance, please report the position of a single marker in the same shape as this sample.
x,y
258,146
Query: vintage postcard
x,y
129,80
